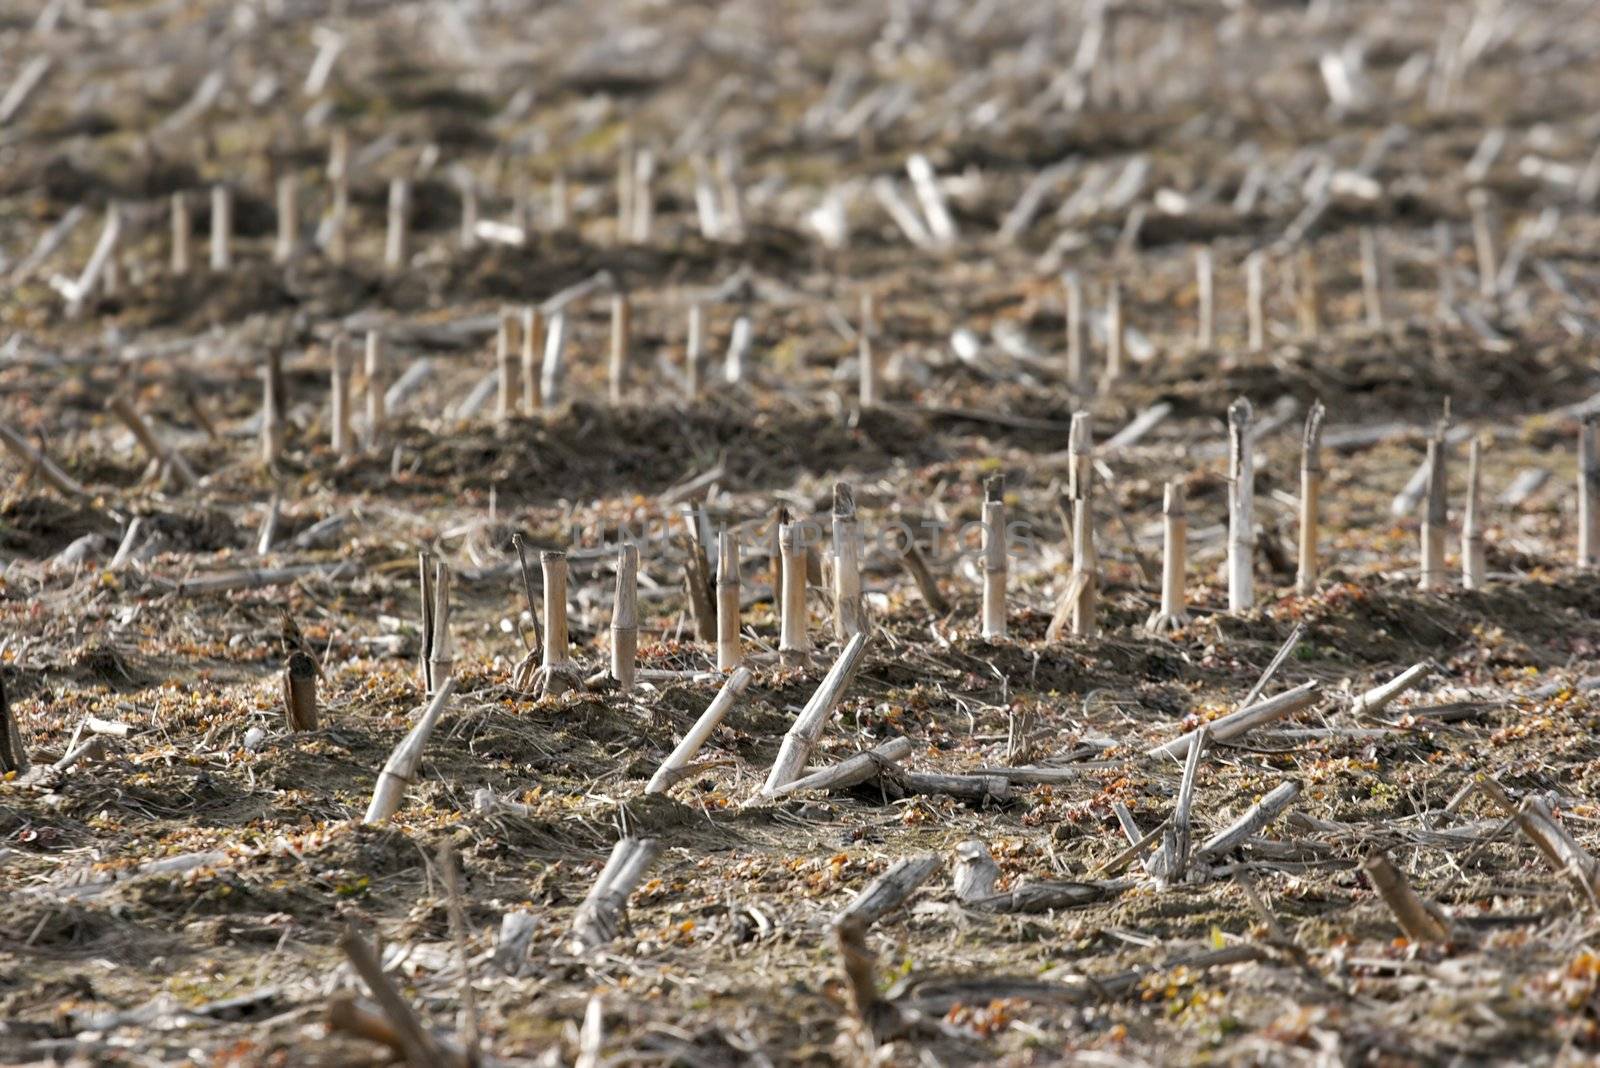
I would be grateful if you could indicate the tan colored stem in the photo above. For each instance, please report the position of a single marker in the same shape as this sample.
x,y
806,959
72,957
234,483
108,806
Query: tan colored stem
x,y
394,243
182,234
1241,508
1474,565
1421,921
849,615
36,461
694,351
625,618
600,916
343,435
532,354
730,654
1435,518
124,410
851,771
272,408
377,383
807,728
1378,697
1254,819
1116,334
441,653
1255,268
1310,307
300,692
1174,561
553,563
1235,724
1589,492
995,564
621,345
288,246
402,765
221,228
507,364
794,640
698,734
1310,499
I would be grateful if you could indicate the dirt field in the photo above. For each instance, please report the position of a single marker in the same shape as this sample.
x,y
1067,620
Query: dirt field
x,y
178,892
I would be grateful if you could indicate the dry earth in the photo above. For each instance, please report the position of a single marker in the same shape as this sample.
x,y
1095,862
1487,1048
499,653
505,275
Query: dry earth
x,y
178,898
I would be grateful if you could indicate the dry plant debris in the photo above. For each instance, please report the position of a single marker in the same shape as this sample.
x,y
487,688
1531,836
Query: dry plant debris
x,y
766,533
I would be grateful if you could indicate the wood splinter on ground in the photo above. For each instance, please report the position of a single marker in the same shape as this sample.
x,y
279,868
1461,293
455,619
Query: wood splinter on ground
x,y
890,890
881,1019
425,567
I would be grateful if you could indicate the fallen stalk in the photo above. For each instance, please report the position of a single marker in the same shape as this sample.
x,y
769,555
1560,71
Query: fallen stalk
x,y
401,768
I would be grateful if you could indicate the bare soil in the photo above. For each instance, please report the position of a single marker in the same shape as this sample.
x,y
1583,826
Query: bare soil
x,y
728,958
